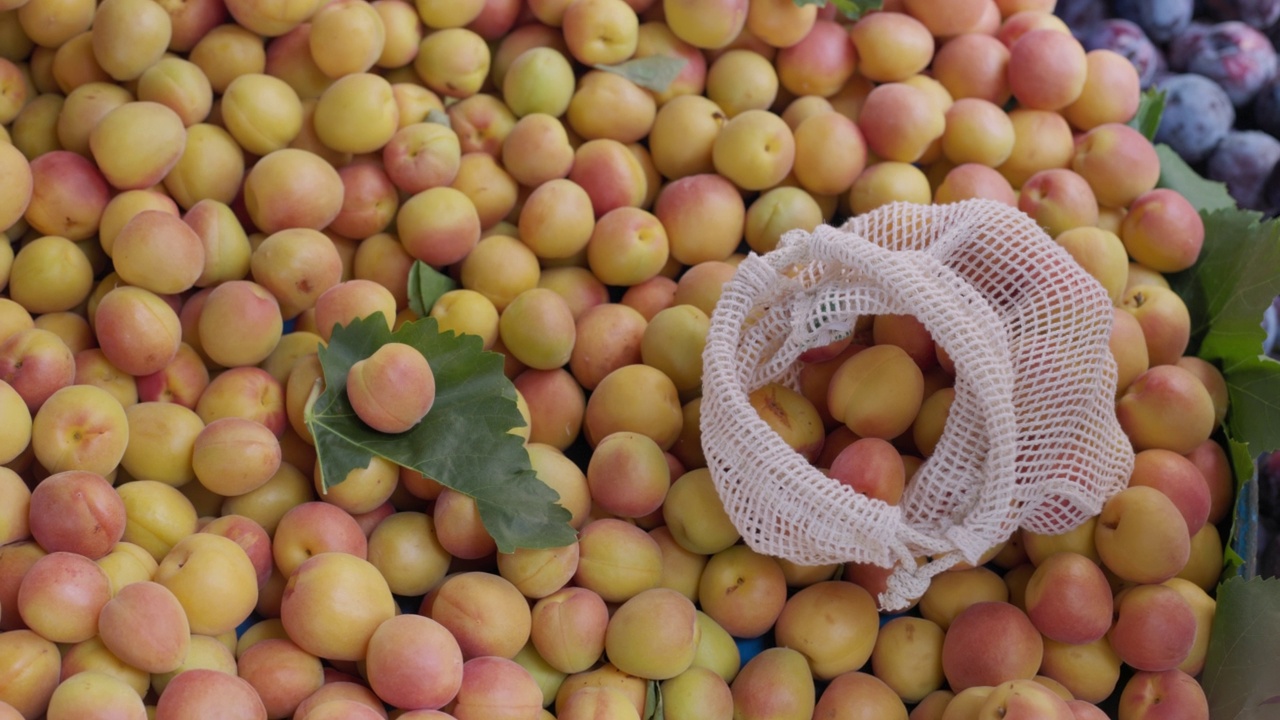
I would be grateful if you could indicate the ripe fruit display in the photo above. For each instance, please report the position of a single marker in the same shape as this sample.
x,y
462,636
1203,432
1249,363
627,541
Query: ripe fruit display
x,y
351,359
1217,64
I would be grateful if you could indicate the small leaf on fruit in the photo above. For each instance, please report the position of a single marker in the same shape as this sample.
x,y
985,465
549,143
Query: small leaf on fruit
x,y
1238,676
464,441
1227,291
655,72
1150,108
426,285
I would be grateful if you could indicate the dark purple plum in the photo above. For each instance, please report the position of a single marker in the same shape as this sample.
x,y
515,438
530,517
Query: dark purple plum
x,y
1127,39
1161,20
1179,51
1271,197
1081,14
1237,57
1244,160
1197,115
1269,556
1260,14
1269,507
1269,467
1266,108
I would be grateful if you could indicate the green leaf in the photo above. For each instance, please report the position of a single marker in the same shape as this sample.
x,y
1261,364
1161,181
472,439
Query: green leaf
x,y
653,702
438,117
1231,562
1241,538
1227,292
1150,108
426,285
852,9
1176,174
1239,676
1254,415
655,72
464,441
1236,278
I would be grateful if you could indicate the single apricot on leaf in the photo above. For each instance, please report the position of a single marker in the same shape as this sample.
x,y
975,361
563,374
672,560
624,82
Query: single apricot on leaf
x,y
392,389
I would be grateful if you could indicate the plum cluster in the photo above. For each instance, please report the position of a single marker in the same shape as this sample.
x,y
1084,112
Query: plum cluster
x,y
193,195
1217,62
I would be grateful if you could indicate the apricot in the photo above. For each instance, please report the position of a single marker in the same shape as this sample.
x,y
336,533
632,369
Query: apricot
x,y
1166,408
29,669
495,688
61,595
145,626
1068,599
908,657
653,635
209,693
990,643
50,274
1141,535
877,392
696,517
392,389
617,560
137,144
569,628
834,624
91,692
414,662
774,684
743,591
335,590
1155,628
80,427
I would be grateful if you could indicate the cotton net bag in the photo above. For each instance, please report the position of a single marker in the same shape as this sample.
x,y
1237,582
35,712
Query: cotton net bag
x,y
1031,440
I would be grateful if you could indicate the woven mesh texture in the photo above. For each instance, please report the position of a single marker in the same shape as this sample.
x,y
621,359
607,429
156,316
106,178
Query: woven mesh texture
x,y
1032,438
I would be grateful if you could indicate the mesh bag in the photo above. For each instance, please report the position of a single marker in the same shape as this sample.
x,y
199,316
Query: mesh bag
x,y
1032,438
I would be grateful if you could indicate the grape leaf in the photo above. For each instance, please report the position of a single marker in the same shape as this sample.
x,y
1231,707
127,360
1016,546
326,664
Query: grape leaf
x,y
1227,291
463,442
852,9
1176,174
1254,386
1150,108
426,285
655,72
1239,678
